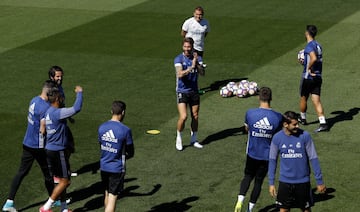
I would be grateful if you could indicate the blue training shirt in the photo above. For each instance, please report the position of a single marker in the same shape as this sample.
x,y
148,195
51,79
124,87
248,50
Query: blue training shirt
x,y
113,137
262,124
37,109
312,46
295,152
188,83
56,137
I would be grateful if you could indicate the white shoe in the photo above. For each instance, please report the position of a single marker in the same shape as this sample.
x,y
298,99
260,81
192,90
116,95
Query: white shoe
x,y
197,145
179,145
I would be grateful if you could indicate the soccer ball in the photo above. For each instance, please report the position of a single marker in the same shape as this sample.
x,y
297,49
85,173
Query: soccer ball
x,y
230,86
301,56
253,89
242,92
244,84
225,92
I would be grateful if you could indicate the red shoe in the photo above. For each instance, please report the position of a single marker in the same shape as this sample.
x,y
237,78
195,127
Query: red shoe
x,y
43,210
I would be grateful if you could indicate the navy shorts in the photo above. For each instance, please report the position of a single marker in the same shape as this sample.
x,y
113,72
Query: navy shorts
x,y
113,182
310,86
58,162
294,195
192,98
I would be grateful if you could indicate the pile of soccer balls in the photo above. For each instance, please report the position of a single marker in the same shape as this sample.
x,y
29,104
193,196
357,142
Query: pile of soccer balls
x,y
240,89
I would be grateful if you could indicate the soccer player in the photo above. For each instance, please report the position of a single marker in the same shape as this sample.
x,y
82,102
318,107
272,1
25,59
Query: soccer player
x,y
261,123
197,28
188,66
312,78
33,145
57,142
116,146
296,151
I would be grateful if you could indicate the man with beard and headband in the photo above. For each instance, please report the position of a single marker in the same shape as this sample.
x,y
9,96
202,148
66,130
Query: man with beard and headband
x,y
296,151
188,66
196,28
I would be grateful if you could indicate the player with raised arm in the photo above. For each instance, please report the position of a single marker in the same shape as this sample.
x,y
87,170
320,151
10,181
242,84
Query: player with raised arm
x,y
57,142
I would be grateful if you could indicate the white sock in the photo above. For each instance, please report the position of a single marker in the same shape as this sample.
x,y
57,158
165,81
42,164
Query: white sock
x,y
241,198
322,120
178,134
251,206
48,204
303,115
193,137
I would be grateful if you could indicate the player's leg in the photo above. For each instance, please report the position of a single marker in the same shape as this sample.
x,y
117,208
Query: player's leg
x,y
259,179
304,95
111,203
180,125
315,97
194,111
302,193
41,160
249,174
115,184
26,162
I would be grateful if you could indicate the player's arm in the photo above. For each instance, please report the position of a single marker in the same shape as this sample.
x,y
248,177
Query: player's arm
x,y
70,111
180,72
129,148
313,58
198,64
183,33
272,168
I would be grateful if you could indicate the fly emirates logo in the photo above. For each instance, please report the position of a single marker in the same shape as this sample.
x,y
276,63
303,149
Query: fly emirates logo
x,y
263,125
291,154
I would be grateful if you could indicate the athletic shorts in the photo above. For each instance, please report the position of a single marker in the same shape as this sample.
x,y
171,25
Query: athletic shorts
x,y
58,162
308,86
192,98
294,195
113,182
258,168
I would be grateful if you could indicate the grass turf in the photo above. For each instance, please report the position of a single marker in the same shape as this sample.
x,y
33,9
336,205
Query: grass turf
x,y
120,52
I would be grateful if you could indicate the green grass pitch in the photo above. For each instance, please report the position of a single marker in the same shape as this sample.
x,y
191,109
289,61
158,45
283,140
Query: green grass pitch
x,y
125,49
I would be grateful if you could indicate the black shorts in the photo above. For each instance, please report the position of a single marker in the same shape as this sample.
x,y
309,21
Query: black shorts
x,y
192,98
256,168
58,162
294,195
308,86
113,182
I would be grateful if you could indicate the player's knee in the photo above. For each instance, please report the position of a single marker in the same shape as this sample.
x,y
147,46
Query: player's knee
x,y
183,117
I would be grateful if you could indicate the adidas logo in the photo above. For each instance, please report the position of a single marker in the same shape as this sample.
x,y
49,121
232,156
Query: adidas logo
x,y
263,124
109,136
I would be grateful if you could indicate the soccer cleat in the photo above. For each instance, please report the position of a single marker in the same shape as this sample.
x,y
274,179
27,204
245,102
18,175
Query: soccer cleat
x,y
196,145
238,206
57,203
43,210
322,128
9,207
179,145
302,121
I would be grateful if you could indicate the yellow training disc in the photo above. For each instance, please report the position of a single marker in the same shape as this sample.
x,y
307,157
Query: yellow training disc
x,y
153,132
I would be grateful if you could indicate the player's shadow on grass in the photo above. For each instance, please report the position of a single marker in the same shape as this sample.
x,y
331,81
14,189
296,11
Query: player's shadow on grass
x,y
317,197
91,167
340,116
220,83
224,134
175,206
98,202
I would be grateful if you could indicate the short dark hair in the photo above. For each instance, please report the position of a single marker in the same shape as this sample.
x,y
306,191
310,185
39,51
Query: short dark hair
x,y
54,94
49,84
200,8
54,69
188,40
312,30
289,116
265,94
118,107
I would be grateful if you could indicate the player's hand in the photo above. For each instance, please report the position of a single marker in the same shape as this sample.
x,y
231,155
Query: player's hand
x,y
78,89
321,189
272,191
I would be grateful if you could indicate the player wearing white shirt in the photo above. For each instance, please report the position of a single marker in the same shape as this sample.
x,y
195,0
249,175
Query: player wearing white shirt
x,y
197,28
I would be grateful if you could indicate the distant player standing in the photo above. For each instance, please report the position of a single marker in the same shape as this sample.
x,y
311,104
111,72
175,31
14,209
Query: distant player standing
x,y
296,151
261,123
188,66
57,144
197,28
33,146
116,144
312,78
